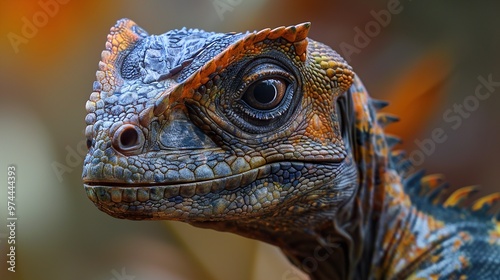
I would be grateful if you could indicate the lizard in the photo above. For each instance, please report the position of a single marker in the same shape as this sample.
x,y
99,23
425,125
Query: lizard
x,y
272,135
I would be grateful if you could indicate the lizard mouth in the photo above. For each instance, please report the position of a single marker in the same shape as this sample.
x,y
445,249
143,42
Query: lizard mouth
x,y
109,192
172,200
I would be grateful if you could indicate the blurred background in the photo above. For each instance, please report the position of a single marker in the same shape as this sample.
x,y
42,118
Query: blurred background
x,y
426,57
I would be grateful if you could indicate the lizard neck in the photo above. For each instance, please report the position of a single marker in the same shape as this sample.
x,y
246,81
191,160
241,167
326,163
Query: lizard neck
x,y
328,250
325,241
395,235
321,234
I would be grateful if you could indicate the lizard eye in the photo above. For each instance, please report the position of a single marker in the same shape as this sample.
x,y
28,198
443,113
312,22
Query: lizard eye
x,y
265,94
264,98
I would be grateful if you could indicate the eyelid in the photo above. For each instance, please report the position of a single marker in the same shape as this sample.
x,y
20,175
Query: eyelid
x,y
269,74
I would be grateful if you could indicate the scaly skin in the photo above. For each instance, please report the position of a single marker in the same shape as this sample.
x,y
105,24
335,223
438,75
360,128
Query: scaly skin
x,y
272,136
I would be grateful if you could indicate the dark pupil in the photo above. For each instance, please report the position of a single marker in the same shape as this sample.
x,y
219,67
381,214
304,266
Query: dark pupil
x,y
264,92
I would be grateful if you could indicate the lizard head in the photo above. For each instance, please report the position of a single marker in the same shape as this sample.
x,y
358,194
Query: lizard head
x,y
198,126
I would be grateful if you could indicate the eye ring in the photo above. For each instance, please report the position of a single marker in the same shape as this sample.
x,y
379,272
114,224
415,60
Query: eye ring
x,y
273,110
128,139
265,97
265,94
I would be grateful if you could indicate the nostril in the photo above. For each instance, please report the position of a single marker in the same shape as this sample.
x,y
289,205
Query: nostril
x,y
128,138
89,143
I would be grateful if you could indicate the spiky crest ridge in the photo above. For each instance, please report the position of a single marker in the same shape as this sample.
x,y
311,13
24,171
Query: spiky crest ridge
x,y
432,186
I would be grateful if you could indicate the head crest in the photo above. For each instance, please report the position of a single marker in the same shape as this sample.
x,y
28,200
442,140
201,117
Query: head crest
x,y
122,37
295,34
